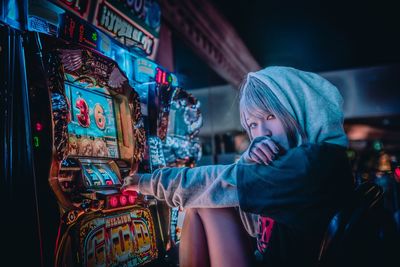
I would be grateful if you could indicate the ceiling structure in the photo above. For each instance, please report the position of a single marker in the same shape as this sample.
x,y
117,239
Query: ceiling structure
x,y
310,35
210,36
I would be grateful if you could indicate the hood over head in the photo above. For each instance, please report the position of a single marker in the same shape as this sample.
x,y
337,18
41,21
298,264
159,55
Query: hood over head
x,y
314,102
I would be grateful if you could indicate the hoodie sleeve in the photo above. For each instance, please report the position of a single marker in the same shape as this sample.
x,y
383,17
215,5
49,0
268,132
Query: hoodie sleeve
x,y
201,187
306,176
266,189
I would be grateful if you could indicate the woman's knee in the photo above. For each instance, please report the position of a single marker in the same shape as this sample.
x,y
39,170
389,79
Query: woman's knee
x,y
218,214
191,212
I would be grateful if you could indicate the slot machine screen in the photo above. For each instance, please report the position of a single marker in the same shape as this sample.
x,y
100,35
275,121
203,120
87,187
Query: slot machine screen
x,y
177,125
98,174
92,130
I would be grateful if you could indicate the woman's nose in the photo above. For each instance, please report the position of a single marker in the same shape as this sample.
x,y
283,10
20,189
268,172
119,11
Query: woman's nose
x,y
267,131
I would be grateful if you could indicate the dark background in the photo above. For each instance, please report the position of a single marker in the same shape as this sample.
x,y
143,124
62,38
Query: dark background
x,y
315,36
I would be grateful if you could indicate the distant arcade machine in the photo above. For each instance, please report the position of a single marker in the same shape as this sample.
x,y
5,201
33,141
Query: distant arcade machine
x,y
174,141
158,89
173,119
155,86
181,146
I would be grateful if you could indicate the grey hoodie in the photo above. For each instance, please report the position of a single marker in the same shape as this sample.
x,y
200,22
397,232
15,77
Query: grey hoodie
x,y
314,102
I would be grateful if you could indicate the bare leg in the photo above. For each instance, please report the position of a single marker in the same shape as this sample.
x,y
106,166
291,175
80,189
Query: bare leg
x,y
222,235
193,249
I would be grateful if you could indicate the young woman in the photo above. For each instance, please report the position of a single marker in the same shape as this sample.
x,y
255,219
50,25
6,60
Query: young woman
x,y
286,186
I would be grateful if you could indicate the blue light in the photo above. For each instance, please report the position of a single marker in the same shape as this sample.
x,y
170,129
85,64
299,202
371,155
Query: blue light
x,y
174,80
38,25
12,9
144,70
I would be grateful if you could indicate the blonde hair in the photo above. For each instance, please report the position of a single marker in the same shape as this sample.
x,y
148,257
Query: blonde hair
x,y
257,99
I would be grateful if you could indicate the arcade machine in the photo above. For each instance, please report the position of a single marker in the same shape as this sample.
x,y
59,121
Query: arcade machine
x,y
176,141
172,120
84,106
181,146
156,88
89,127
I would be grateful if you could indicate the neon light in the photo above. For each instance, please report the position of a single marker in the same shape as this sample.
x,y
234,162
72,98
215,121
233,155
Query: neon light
x,y
123,200
113,202
38,126
122,28
161,77
144,70
378,145
132,199
79,7
163,80
38,25
158,75
397,172
36,141
174,81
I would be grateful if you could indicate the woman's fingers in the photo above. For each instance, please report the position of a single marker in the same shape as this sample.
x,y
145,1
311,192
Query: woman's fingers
x,y
269,148
130,183
129,180
264,149
272,145
256,156
264,156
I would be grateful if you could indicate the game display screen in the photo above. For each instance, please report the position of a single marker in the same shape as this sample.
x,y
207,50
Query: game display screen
x,y
92,130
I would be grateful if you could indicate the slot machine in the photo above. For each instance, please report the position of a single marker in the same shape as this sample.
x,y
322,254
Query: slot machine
x,y
155,86
181,145
88,135
172,120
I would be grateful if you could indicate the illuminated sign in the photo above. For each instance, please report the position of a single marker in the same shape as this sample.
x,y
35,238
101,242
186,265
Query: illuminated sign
x,y
40,25
125,240
124,29
78,31
162,77
146,70
115,221
146,13
78,7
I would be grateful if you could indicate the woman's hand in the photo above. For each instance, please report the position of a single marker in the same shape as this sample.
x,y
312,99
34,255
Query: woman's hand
x,y
262,150
131,183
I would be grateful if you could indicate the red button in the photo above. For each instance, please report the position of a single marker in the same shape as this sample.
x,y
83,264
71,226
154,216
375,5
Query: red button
x,y
113,202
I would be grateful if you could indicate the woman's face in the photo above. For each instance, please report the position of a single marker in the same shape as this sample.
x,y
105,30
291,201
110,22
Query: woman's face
x,y
270,126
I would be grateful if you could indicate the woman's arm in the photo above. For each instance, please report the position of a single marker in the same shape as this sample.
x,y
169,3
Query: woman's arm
x,y
201,187
310,175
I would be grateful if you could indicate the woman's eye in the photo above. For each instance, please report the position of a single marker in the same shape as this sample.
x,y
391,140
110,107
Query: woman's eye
x,y
270,117
252,125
